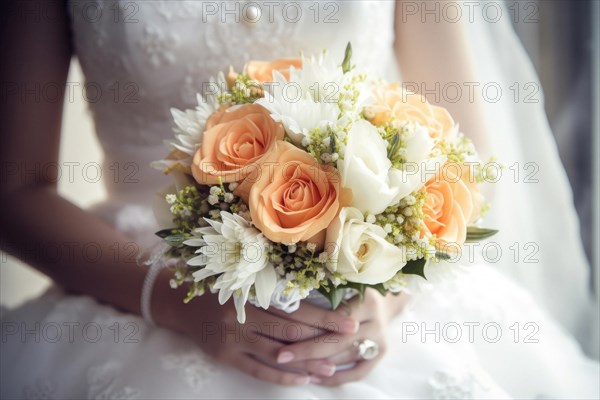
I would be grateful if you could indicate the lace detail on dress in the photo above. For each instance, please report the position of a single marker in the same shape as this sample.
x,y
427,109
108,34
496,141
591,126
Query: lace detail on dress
x,y
159,46
165,50
186,9
195,369
455,385
103,383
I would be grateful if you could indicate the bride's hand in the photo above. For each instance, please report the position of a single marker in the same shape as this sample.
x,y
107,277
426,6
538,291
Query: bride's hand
x,y
373,312
252,346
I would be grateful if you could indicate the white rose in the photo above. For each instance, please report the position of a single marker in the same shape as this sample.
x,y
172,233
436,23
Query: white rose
x,y
418,144
359,250
414,176
418,168
309,100
365,169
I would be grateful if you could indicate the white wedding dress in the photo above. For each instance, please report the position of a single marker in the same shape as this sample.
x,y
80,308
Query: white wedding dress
x,y
474,335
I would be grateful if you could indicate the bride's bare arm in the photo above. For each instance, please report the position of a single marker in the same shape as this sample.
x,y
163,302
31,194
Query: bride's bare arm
x,y
35,219
37,224
433,52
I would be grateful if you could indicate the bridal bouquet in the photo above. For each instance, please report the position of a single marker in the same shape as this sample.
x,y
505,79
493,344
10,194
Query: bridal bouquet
x,y
303,176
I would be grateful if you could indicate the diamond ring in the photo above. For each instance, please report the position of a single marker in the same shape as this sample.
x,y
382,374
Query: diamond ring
x,y
367,349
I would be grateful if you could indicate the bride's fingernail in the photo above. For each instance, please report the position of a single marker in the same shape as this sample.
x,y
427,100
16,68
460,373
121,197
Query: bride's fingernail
x,y
314,379
349,325
302,380
285,357
327,370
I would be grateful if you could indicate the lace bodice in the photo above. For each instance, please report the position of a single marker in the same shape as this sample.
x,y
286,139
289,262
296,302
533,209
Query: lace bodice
x,y
140,58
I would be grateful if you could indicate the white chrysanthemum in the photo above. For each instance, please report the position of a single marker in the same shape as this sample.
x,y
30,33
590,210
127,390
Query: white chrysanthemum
x,y
235,251
190,124
321,76
309,100
296,109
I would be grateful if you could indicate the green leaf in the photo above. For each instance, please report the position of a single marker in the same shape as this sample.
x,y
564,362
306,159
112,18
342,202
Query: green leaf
x,y
475,234
175,240
395,143
347,56
332,142
380,288
163,233
335,297
442,256
415,267
360,287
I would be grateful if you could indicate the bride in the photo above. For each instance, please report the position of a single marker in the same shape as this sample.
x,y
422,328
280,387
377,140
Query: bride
x,y
477,336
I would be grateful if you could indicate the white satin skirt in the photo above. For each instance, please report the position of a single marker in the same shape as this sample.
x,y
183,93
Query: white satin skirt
x,y
476,335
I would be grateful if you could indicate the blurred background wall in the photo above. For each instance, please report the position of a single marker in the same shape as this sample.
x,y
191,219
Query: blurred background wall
x,y
562,38
557,34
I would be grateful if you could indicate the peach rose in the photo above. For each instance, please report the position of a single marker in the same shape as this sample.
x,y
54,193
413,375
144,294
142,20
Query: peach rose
x,y
468,177
262,71
294,198
448,206
235,140
392,101
216,117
